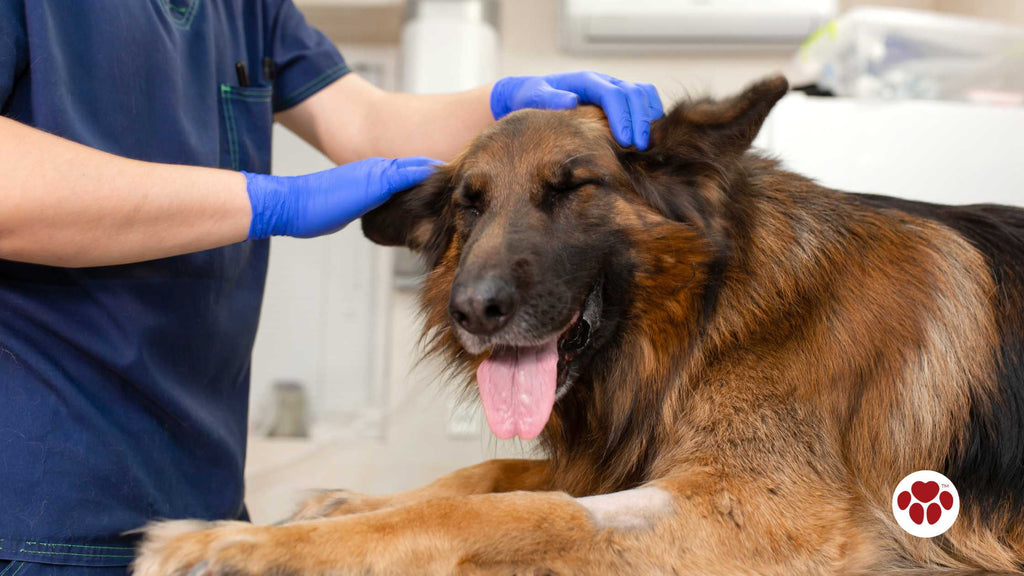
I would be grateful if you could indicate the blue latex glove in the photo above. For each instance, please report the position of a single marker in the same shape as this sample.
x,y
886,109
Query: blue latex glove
x,y
630,107
324,202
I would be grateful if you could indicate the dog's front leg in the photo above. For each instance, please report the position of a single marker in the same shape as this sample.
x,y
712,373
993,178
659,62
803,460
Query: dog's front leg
x,y
508,533
488,477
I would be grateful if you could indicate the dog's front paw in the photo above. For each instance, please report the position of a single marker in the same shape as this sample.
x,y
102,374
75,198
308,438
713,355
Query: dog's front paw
x,y
193,548
333,503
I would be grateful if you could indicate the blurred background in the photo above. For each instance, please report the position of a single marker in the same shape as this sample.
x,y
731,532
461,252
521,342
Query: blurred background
x,y
915,98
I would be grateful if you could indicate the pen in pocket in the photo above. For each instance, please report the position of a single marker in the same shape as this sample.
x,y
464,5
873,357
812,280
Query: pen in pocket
x,y
269,70
243,75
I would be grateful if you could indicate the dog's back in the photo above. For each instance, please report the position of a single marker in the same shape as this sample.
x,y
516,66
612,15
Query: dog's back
x,y
987,462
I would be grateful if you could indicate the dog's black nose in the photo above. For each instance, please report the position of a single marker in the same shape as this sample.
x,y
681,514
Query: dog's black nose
x,y
483,306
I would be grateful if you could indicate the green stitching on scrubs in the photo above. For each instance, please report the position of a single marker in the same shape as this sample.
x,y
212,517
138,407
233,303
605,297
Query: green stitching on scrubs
x,y
75,554
227,94
9,566
249,97
185,15
314,85
229,121
79,546
192,13
20,566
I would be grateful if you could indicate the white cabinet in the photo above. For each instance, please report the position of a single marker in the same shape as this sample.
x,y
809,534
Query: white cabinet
x,y
943,152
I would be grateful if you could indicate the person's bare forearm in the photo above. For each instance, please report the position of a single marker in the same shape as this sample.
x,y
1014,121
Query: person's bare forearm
x,y
435,125
351,120
64,204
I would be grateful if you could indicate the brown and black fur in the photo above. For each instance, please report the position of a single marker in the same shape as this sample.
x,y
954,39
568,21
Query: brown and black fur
x,y
773,355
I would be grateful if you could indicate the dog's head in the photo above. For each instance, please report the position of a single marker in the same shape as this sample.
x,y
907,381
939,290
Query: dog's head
x,y
547,240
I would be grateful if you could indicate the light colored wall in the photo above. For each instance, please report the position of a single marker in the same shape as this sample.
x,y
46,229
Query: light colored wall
x,y
1006,11
530,46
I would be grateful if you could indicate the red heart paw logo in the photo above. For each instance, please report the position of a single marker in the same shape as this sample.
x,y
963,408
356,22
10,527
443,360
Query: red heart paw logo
x,y
925,491
925,504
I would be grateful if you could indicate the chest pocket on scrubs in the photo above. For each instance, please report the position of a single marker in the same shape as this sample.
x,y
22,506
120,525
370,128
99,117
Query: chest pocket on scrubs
x,y
246,120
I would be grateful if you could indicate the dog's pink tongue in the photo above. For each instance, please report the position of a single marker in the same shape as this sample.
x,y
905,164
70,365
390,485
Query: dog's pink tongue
x,y
518,389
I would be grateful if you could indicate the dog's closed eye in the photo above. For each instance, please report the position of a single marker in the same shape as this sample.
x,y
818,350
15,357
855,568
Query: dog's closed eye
x,y
573,184
567,183
470,201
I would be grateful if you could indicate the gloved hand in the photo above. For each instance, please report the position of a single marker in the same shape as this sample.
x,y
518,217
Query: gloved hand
x,y
324,202
630,107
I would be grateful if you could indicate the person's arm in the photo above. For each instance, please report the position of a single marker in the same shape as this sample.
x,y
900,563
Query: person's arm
x,y
65,204
352,119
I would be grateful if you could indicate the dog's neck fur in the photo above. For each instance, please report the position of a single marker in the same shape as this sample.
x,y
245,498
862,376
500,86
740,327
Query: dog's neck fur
x,y
741,294
704,301
604,423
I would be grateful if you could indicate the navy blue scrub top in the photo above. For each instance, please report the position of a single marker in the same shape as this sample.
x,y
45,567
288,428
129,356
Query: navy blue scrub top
x,y
124,389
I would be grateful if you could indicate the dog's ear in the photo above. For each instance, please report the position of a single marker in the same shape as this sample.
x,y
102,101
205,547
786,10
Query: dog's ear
x,y
690,168
724,127
694,148
419,218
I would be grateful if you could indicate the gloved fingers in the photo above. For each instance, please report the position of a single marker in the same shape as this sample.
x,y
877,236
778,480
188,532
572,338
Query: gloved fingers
x,y
617,108
324,202
550,98
411,161
504,94
629,107
594,88
601,89
408,176
639,112
395,175
653,99
589,86
582,83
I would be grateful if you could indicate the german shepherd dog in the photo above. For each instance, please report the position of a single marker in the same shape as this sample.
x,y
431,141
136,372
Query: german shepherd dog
x,y
729,367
